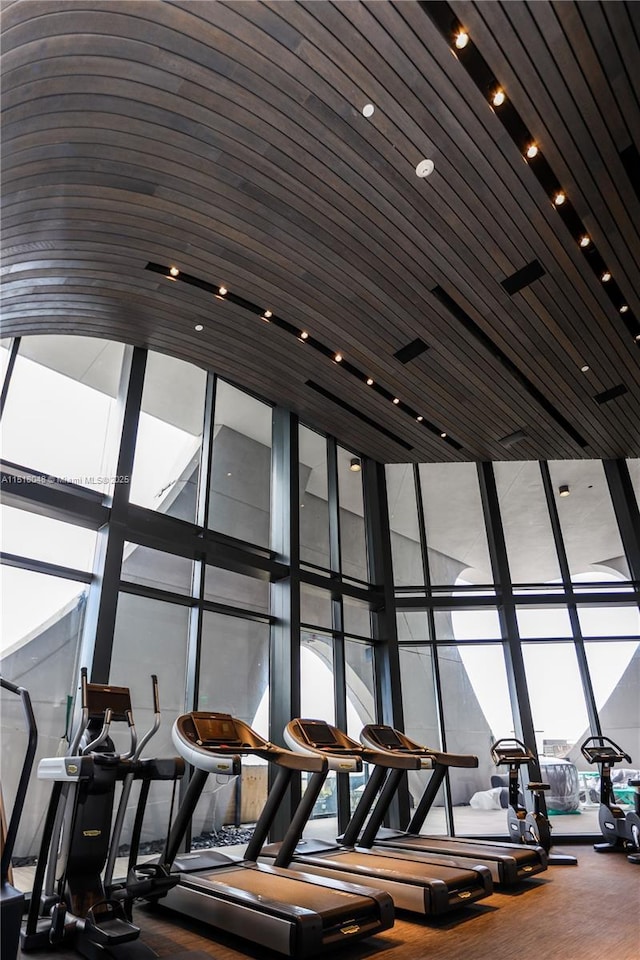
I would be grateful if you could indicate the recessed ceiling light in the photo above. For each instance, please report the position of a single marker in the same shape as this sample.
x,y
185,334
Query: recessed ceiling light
x,y
304,335
338,358
585,240
443,435
222,291
532,151
228,474
355,465
559,198
585,368
462,39
420,419
396,400
624,308
425,168
198,327
174,271
498,98
563,490
606,276
368,110
369,382
267,314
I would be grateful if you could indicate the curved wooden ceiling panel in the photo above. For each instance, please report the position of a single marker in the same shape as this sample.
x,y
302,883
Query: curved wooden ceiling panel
x,y
227,138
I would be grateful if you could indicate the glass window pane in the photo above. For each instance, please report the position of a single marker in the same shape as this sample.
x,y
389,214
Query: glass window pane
x,y
236,589
167,462
360,683
528,536
5,352
42,538
240,484
463,624
353,542
456,538
614,668
589,528
40,653
406,551
611,621
153,568
356,617
314,496
315,606
150,636
63,388
634,473
477,712
421,724
543,622
234,669
317,695
412,626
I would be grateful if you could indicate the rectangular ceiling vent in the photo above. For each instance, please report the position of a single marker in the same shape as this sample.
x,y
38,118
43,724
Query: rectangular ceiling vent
x,y
523,277
610,394
357,413
411,350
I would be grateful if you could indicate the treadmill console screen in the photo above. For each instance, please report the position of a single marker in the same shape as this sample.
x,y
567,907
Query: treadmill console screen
x,y
318,734
215,729
387,737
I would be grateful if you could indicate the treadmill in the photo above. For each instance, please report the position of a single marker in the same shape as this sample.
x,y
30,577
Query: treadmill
x,y
290,912
509,863
419,882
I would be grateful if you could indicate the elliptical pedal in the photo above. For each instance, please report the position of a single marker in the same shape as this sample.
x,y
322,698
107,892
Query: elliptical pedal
x,y
105,924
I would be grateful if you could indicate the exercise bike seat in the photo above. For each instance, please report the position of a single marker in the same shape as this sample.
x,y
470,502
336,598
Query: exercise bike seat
x,y
538,786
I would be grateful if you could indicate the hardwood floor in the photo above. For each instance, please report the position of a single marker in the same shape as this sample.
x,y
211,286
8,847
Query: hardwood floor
x,y
568,913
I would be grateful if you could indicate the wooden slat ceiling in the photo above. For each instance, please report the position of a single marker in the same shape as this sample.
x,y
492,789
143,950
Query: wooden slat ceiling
x,y
227,138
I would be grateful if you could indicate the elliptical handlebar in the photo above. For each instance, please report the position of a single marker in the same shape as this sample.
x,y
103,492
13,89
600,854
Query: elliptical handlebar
x,y
601,753
23,782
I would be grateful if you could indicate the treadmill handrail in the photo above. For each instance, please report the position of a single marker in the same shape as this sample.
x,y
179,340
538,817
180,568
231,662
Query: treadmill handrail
x,y
411,748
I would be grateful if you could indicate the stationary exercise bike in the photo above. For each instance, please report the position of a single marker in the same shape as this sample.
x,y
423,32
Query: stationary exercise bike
x,y
621,830
526,826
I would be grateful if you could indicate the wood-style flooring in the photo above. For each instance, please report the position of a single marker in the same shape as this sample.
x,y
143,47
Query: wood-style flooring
x,y
568,913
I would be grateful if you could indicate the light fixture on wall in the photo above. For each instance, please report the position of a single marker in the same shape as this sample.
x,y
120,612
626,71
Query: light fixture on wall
x,y
355,464
563,490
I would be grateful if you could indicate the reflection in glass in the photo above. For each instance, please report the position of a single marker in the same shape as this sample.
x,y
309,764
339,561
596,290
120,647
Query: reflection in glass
x,y
240,484
589,528
353,541
456,537
527,529
167,460
404,528
64,388
314,506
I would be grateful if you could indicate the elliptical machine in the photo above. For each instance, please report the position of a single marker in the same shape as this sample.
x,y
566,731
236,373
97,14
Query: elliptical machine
x,y
526,826
71,903
621,830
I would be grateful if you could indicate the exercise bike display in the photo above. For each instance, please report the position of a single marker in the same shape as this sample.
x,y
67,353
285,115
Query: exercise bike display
x,y
71,903
620,829
526,826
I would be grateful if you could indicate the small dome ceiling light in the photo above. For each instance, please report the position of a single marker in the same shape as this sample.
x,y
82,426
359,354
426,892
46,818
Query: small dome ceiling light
x,y
368,110
637,337
563,490
585,241
174,271
369,381
532,151
420,418
355,464
624,308
222,291
198,327
267,314
443,435
462,39
425,168
304,335
606,276
338,358
498,98
584,368
559,198
396,400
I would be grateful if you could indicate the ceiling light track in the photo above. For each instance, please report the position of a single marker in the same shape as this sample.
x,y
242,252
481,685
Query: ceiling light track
x,y
302,336
478,69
